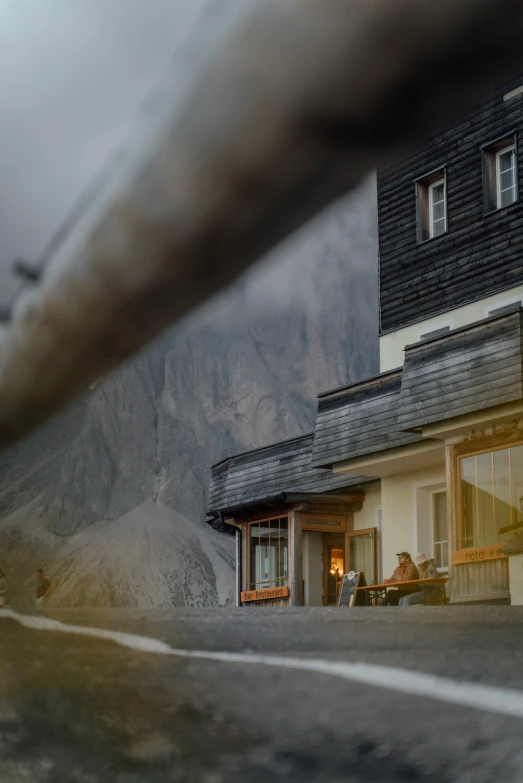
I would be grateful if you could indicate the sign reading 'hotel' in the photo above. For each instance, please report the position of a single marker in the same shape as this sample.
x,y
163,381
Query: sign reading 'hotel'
x,y
264,595
477,554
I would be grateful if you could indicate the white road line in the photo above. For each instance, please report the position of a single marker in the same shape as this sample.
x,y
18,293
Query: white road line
x,y
485,698
135,642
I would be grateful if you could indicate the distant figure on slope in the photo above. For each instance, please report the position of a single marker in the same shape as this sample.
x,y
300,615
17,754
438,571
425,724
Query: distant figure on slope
x,y
3,589
405,572
427,570
43,588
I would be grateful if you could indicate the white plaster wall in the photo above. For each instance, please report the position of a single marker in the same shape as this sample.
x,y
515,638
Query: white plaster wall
x,y
399,521
370,516
393,344
367,517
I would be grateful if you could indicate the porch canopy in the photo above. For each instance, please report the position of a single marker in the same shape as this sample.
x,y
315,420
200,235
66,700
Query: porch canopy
x,y
274,474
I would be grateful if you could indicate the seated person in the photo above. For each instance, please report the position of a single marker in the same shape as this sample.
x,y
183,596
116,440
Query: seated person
x,y
427,570
405,572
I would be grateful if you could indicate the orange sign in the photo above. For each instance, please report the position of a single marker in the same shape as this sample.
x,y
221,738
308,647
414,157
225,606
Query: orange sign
x,y
264,595
477,554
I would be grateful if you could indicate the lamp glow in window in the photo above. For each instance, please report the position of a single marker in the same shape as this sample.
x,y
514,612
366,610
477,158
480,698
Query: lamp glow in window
x,y
337,562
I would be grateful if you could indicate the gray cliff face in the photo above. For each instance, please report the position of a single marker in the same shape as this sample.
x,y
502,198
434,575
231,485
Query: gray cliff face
x,y
242,372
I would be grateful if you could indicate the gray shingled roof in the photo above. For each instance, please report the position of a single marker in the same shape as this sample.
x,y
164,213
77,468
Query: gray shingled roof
x,y
267,473
358,420
464,371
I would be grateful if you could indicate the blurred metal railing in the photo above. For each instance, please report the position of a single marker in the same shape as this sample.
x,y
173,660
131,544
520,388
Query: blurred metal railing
x,y
303,99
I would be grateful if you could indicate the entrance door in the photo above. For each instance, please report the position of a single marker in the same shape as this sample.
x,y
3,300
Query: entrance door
x,y
363,553
333,566
312,569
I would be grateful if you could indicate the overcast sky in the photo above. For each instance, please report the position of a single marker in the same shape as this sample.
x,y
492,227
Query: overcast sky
x,y
72,76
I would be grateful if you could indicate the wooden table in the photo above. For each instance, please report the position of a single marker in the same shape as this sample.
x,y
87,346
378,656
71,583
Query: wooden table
x,y
376,590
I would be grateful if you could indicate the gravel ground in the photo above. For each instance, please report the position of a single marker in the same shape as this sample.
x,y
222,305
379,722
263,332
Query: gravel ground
x,y
74,708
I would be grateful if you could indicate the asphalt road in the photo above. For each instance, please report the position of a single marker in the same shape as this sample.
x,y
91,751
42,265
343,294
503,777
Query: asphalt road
x,y
74,708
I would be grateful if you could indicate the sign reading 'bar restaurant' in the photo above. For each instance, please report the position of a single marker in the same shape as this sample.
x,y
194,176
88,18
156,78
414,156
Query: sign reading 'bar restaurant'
x,y
263,595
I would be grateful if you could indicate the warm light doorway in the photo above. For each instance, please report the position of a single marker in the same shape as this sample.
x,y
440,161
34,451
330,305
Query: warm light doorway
x,y
333,566
323,567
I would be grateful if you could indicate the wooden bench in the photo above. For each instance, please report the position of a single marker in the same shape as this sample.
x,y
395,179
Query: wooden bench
x,y
441,599
376,590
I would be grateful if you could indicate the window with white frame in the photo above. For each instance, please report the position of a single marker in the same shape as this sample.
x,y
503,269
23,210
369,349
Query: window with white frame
x,y
431,192
506,181
378,517
437,208
500,174
440,540
430,513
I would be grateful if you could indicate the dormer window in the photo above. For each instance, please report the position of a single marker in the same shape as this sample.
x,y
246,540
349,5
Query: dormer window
x,y
500,174
431,192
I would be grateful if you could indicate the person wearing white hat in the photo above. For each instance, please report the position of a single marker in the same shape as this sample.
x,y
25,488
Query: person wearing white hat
x,y
427,570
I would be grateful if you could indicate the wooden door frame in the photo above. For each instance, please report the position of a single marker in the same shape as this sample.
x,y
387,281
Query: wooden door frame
x,y
373,531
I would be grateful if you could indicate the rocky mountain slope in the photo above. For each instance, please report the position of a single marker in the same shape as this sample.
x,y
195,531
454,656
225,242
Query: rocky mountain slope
x,y
242,372
149,556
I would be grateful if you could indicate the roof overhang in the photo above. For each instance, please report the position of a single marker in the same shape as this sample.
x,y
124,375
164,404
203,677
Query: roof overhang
x,y
415,456
501,414
345,500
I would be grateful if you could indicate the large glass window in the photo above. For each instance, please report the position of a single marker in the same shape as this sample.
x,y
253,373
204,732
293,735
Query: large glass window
x,y
269,554
491,495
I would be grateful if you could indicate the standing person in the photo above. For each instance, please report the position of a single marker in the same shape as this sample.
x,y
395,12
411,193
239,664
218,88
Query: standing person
x,y
3,589
43,588
405,572
427,570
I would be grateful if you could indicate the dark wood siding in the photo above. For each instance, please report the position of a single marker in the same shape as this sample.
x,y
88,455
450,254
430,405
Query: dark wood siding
x,y
360,420
481,253
266,473
468,370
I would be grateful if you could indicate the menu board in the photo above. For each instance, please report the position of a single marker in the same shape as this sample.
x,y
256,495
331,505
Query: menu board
x,y
349,585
